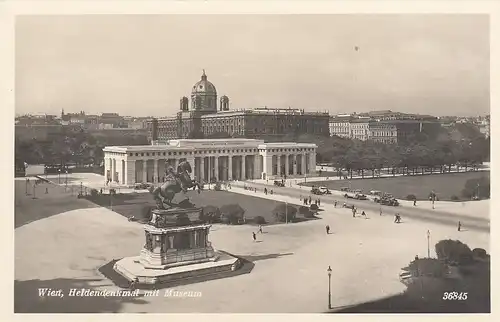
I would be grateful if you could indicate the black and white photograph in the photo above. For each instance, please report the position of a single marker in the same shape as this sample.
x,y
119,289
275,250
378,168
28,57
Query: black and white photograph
x,y
252,163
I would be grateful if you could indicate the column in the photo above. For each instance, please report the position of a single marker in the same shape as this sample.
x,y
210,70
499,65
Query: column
x,y
287,164
130,173
294,160
209,168
202,169
230,166
144,170
278,165
312,162
155,171
256,166
303,163
243,168
268,165
216,166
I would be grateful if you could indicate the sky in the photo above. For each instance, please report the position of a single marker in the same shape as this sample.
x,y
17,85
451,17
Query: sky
x,y
141,65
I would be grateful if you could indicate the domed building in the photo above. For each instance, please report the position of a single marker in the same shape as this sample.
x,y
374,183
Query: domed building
x,y
204,96
201,118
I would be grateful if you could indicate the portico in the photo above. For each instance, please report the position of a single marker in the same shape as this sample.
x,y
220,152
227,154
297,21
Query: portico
x,y
212,160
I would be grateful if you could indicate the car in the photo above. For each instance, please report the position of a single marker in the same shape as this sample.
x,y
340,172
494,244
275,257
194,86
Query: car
x,y
375,192
279,183
344,189
316,191
325,190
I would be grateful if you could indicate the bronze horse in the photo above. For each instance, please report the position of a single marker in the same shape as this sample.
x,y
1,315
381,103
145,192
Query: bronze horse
x,y
175,183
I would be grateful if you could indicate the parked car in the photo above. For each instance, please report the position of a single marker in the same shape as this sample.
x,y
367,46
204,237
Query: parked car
x,y
316,191
325,190
344,189
279,183
358,194
376,193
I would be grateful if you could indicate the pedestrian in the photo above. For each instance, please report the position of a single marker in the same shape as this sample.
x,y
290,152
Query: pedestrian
x,y
414,202
310,199
353,213
327,229
316,202
265,191
271,191
459,225
100,191
319,202
46,190
363,214
254,236
380,211
335,204
260,229
300,197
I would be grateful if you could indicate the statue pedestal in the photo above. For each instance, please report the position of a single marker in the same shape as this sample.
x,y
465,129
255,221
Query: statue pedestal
x,y
176,247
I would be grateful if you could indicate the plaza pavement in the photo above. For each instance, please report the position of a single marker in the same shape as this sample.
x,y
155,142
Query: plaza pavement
x,y
366,256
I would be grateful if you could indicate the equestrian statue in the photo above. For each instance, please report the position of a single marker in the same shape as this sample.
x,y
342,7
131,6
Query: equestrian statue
x,y
175,182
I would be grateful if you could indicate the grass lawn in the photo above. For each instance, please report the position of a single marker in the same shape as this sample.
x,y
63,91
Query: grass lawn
x,y
56,201
131,204
445,185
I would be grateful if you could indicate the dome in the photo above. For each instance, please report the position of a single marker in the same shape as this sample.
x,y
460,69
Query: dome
x,y
204,86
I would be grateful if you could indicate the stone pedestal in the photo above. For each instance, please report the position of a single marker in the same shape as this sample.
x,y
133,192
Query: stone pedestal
x,y
177,247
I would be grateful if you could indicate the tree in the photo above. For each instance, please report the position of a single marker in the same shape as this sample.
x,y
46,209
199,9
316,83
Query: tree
x,y
232,214
453,251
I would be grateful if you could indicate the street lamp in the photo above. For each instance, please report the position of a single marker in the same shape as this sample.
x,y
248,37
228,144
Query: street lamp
x,y
329,270
66,177
286,212
81,188
428,244
26,186
34,190
59,177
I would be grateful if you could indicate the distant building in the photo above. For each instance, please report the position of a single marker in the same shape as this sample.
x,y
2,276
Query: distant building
x,y
205,117
340,125
383,132
360,129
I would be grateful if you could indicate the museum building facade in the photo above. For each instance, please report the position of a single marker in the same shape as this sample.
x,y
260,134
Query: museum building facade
x,y
210,159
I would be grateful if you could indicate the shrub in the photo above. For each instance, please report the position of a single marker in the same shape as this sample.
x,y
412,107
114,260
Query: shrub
x,y
146,213
232,214
471,188
411,197
259,220
283,211
304,210
218,186
479,253
314,207
428,267
210,214
94,192
309,214
454,198
454,251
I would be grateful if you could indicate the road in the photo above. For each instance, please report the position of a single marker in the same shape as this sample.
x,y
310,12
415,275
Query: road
x,y
472,223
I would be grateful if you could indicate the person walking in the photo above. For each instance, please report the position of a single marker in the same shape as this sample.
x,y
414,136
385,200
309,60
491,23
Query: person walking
x,y
265,191
353,212
380,211
414,202
363,214
327,229
310,199
260,229
335,204
459,225
319,202
254,236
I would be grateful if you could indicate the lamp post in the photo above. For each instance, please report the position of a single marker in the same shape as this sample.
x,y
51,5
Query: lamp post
x,y
66,181
26,186
329,270
428,244
59,177
34,190
81,188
